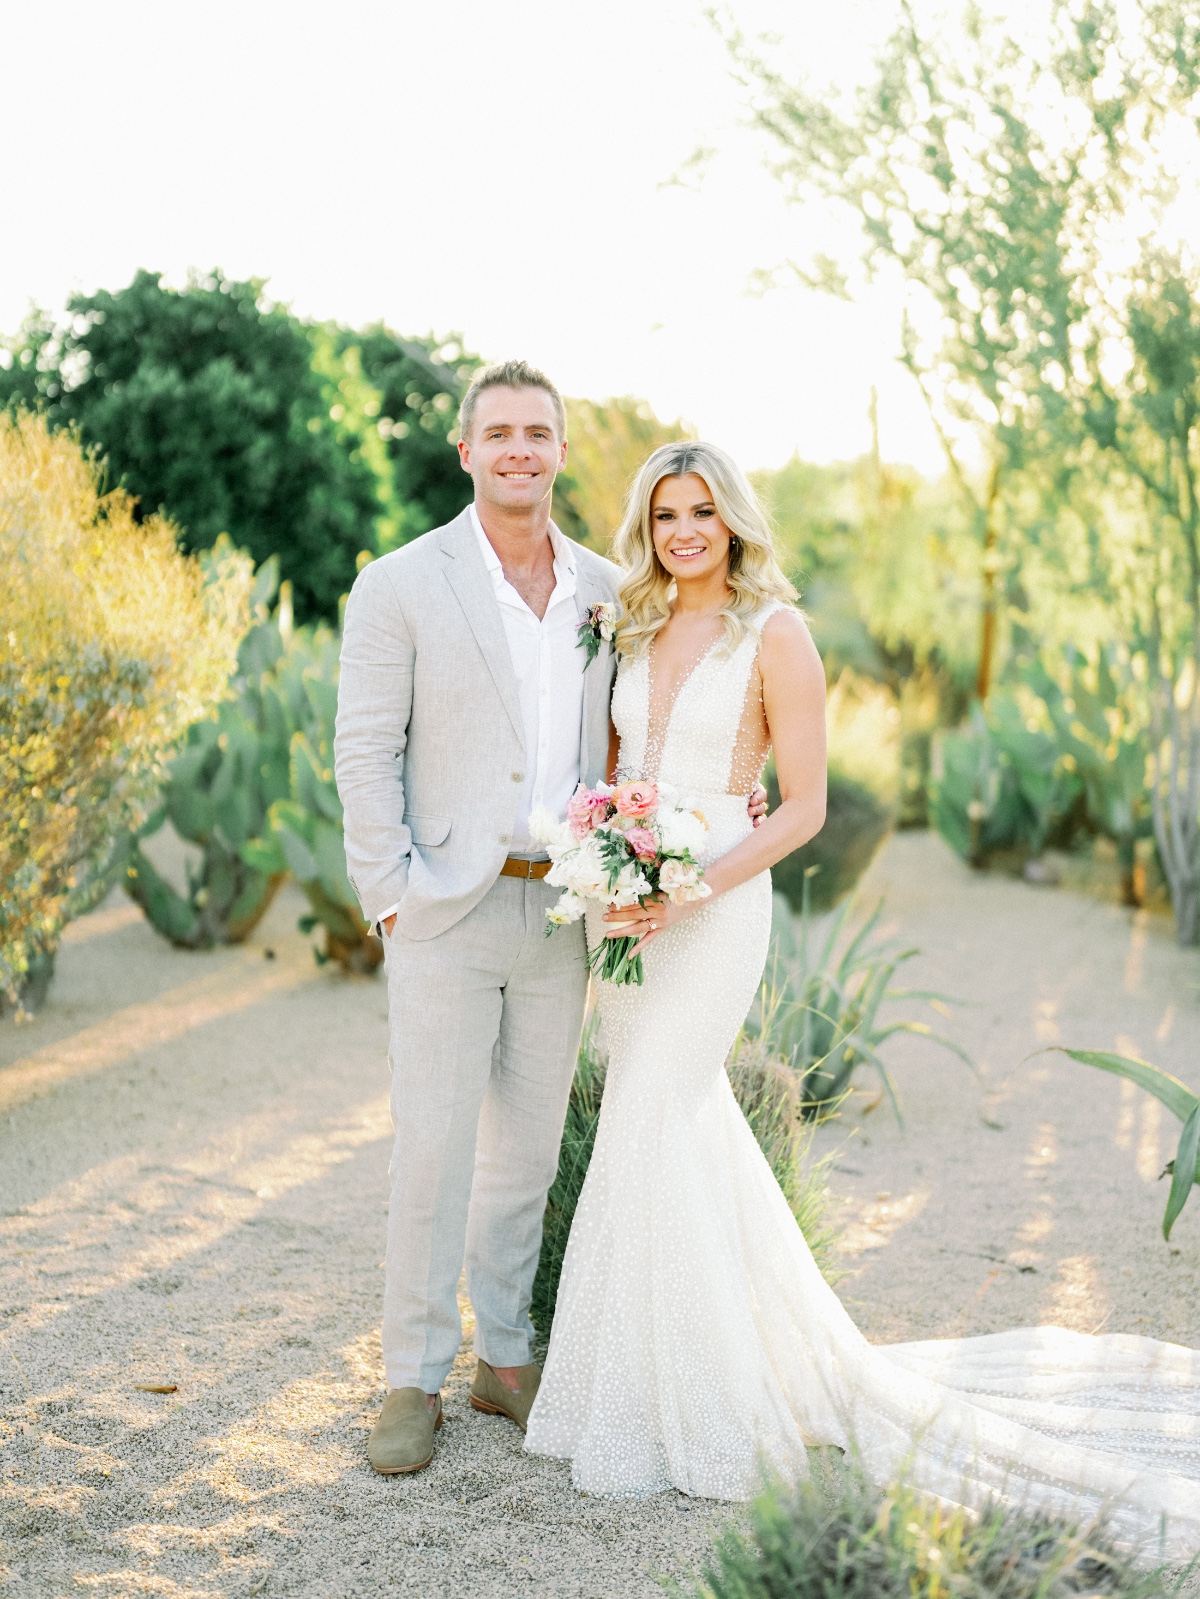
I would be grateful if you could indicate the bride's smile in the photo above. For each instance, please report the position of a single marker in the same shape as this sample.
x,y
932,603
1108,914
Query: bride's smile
x,y
690,538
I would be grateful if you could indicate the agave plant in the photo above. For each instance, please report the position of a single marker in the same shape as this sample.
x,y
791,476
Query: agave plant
x,y
819,1009
1184,1170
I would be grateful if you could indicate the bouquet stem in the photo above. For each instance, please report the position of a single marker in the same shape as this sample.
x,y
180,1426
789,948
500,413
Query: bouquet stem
x,y
613,961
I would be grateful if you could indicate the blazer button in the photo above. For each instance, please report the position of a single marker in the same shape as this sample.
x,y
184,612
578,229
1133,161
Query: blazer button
x,y
504,838
518,777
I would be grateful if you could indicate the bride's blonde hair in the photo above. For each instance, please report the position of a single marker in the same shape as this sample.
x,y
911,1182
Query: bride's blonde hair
x,y
755,576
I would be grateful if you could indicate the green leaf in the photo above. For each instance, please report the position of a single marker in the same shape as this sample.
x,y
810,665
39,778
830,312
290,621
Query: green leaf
x,y
1176,1096
1184,1174
300,859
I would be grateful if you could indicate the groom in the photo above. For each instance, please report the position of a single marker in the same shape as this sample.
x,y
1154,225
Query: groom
x,y
465,701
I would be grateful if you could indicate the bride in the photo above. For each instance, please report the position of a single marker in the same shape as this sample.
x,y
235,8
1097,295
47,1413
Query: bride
x,y
695,1342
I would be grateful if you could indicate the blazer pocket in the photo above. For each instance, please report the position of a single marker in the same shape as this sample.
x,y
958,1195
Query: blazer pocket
x,y
427,829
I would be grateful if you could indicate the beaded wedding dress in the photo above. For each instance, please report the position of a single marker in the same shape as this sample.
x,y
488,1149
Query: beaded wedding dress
x,y
695,1342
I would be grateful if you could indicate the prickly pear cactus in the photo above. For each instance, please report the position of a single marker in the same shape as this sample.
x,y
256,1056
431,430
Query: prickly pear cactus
x,y
217,794
305,829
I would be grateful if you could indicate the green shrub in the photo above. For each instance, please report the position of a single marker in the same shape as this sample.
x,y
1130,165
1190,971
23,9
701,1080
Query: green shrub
x,y
836,1536
1004,787
114,642
818,1009
856,823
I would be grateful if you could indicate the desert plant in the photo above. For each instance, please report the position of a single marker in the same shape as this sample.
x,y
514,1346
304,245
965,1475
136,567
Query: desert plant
x,y
838,1536
818,1008
304,831
1095,715
1002,786
574,1157
856,823
1184,1170
114,643
764,1088
218,789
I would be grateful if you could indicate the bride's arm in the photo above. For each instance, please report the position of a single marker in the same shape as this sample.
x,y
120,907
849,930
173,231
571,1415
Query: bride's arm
x,y
614,749
794,702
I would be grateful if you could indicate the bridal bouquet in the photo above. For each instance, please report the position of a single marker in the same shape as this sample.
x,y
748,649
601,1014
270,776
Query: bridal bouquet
x,y
619,846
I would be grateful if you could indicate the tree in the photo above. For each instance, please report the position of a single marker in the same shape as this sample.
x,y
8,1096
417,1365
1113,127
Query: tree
x,y
114,642
212,404
419,385
1013,187
609,440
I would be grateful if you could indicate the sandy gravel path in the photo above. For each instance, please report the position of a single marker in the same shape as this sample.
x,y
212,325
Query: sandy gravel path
x,y
192,1174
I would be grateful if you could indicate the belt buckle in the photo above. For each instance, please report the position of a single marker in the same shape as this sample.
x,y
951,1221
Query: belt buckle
x,y
529,877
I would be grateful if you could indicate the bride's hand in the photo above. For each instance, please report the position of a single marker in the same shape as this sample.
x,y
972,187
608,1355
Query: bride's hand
x,y
647,920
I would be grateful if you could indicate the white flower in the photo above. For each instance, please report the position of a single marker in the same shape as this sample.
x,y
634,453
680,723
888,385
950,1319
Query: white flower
x,y
680,831
632,885
582,870
680,882
604,619
550,830
567,908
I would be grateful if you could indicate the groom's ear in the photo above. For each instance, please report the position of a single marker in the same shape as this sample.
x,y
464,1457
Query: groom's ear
x,y
464,454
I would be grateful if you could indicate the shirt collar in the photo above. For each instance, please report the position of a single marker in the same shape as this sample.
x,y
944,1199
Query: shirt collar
x,y
564,557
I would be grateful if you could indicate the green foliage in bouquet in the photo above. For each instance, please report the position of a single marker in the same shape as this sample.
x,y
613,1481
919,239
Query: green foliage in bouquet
x,y
839,1536
818,1008
114,642
765,1089
219,788
304,831
1184,1170
1002,786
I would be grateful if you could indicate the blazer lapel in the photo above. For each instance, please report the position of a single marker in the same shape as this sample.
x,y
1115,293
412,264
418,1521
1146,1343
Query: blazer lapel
x,y
597,682
472,583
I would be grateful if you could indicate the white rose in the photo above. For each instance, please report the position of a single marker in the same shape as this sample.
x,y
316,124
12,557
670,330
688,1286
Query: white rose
x,y
581,870
567,908
681,882
680,831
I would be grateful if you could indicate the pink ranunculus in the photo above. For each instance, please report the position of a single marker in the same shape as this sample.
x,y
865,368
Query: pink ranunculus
x,y
585,810
635,800
642,842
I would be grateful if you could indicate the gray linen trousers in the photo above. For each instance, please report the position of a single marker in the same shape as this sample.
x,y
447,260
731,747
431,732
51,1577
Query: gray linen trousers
x,y
484,1010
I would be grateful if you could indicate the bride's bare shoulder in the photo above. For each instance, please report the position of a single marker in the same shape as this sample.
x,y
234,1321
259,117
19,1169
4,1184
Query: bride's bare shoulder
x,y
787,652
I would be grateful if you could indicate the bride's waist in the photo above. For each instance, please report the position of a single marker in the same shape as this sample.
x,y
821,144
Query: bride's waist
x,y
727,818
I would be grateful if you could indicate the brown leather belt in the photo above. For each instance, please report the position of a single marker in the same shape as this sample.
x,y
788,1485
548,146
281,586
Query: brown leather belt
x,y
515,867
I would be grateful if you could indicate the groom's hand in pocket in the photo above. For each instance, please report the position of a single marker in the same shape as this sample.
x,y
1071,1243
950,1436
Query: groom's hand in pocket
x,y
756,809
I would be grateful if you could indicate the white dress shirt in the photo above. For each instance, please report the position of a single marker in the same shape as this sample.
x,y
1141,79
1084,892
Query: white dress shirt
x,y
549,666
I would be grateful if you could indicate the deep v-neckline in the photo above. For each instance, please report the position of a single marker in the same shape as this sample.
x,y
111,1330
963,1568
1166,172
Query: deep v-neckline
x,y
658,729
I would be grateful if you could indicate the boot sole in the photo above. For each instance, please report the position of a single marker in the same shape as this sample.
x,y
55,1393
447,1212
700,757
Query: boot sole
x,y
493,1410
404,1471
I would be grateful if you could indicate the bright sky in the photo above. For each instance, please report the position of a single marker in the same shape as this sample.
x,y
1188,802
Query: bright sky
x,y
492,169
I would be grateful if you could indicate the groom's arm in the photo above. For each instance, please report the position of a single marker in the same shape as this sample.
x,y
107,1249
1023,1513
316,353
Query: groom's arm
x,y
374,705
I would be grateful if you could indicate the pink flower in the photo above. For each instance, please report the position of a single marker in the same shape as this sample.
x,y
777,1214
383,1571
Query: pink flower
x,y
642,842
635,800
585,810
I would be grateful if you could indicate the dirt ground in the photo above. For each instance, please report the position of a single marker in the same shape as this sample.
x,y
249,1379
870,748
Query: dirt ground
x,y
193,1153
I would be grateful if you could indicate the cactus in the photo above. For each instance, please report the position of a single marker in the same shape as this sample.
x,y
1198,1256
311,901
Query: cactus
x,y
304,833
218,791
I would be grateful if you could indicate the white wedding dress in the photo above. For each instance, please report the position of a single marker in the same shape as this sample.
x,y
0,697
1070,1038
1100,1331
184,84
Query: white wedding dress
x,y
695,1341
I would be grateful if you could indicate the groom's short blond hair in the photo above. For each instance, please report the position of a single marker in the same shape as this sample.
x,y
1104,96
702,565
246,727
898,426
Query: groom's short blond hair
x,y
509,375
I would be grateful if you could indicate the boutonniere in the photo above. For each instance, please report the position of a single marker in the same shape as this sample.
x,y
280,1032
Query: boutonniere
x,y
599,628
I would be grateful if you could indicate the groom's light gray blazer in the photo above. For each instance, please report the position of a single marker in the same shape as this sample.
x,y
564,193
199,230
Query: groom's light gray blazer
x,y
429,751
